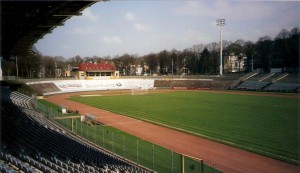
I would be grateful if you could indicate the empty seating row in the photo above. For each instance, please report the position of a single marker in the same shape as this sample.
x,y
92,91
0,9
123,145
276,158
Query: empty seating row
x,y
283,87
278,82
18,163
17,98
5,168
266,86
252,85
52,147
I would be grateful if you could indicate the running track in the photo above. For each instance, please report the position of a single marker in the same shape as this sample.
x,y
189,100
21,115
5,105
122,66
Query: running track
x,y
226,158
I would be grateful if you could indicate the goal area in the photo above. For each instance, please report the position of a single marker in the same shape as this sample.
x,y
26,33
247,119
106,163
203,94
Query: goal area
x,y
139,91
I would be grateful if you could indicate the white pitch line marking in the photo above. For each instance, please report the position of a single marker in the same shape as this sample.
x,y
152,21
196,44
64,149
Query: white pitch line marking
x,y
131,122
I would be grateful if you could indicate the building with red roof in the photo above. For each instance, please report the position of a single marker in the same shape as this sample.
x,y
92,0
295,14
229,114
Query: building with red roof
x,y
95,71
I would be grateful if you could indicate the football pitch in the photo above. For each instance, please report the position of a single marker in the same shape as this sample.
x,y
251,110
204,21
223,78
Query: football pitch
x,y
263,124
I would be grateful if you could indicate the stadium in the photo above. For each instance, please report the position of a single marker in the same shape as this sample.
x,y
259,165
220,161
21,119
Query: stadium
x,y
100,121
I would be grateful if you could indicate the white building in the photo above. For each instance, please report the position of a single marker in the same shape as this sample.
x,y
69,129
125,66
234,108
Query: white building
x,y
139,70
234,63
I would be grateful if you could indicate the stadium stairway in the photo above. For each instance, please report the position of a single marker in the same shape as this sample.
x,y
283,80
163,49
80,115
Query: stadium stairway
x,y
238,82
32,143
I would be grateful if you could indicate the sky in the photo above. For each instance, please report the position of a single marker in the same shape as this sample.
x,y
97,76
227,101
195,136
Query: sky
x,y
141,27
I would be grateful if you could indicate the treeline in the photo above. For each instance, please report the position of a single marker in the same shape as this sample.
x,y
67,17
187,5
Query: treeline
x,y
266,53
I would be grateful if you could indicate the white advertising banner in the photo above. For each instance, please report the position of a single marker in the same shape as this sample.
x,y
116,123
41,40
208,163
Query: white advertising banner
x,y
115,84
80,85
139,83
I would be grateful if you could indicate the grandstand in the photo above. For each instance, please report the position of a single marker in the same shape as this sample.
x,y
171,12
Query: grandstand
x,y
285,83
253,81
205,84
197,82
32,143
45,87
252,85
275,82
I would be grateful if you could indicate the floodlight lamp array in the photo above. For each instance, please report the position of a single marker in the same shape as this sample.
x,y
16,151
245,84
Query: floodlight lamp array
x,y
220,22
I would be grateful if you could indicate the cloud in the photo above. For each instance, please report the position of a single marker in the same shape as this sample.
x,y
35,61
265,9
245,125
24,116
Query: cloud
x,y
129,16
140,27
89,15
112,39
137,26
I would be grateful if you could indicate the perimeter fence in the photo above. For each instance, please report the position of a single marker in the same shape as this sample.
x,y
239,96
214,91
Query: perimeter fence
x,y
141,152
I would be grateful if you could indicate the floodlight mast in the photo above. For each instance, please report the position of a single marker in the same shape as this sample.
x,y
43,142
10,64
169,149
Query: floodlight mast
x,y
220,23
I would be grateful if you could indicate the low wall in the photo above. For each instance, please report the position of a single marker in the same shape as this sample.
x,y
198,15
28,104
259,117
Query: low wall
x,y
65,86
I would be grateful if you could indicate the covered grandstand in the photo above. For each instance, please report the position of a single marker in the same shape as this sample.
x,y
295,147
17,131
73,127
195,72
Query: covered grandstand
x,y
32,143
23,22
248,82
271,82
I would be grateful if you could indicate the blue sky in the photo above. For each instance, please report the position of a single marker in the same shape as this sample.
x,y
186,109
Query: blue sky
x,y
141,27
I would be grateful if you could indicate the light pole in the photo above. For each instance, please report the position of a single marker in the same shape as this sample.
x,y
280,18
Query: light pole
x,y
17,67
172,65
252,62
0,69
220,23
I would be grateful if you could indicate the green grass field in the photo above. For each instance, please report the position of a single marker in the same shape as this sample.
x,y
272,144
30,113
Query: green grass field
x,y
262,124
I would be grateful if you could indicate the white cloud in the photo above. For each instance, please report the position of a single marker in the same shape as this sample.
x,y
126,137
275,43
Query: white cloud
x,y
88,14
137,26
140,27
129,16
112,39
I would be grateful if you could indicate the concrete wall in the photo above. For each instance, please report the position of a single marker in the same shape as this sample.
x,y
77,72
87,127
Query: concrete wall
x,y
65,86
